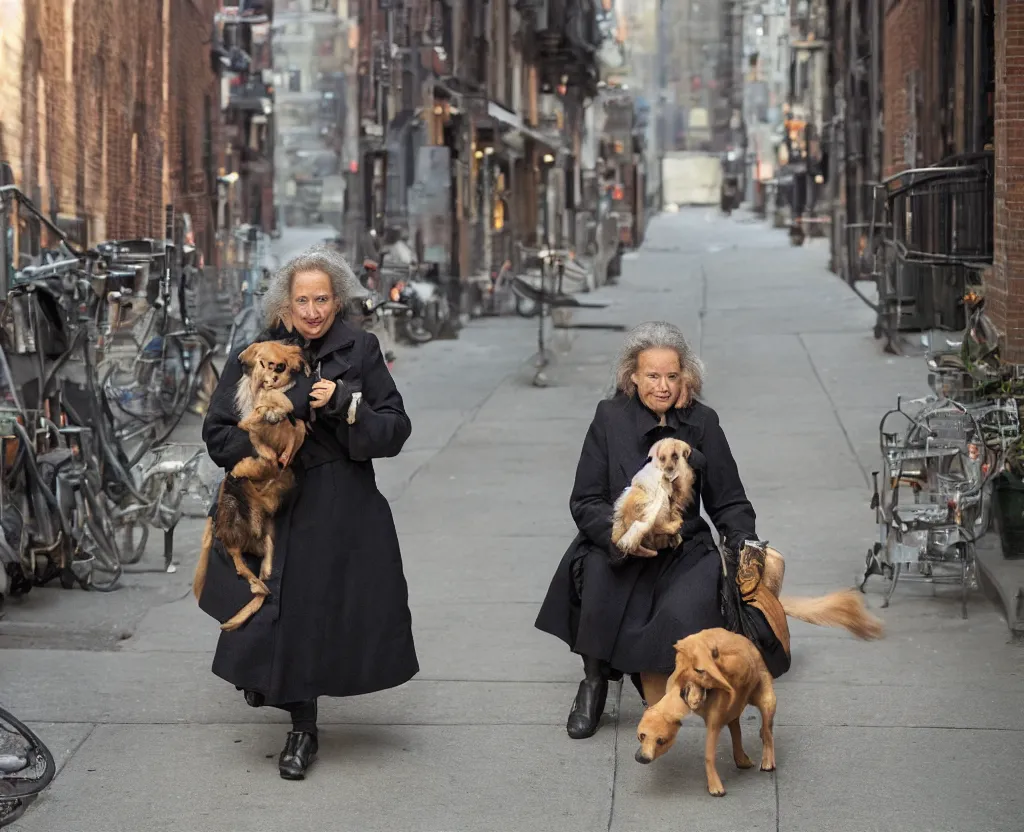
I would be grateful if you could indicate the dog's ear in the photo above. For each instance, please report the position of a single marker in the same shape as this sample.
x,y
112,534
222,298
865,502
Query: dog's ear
x,y
707,668
249,355
674,684
297,361
686,450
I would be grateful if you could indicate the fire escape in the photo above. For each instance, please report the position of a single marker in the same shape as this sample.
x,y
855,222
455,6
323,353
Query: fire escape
x,y
727,119
241,53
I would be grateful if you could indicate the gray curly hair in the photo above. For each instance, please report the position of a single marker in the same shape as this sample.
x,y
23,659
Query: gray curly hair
x,y
278,296
657,335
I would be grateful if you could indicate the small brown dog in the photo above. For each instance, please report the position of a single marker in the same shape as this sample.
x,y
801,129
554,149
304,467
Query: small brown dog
x,y
251,494
761,569
650,511
718,673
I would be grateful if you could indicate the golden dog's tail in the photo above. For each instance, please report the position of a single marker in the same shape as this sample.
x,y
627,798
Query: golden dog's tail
x,y
199,578
837,609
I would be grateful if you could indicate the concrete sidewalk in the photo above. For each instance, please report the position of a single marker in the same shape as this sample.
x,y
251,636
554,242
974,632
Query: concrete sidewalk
x,y
918,732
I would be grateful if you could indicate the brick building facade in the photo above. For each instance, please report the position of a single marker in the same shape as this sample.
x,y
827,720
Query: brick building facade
x,y
904,42
113,112
924,82
1005,281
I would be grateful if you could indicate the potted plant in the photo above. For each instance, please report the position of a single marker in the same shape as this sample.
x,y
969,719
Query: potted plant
x,y
1008,502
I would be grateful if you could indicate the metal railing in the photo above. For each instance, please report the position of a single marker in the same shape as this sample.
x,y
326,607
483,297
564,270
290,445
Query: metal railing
x,y
935,226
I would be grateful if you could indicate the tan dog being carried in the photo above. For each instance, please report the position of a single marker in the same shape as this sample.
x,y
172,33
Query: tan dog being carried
x,y
649,512
253,490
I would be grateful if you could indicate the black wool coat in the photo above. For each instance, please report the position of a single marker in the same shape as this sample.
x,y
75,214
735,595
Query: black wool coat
x,y
629,611
337,621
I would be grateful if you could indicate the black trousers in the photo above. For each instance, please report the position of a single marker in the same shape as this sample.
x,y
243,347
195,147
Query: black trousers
x,y
303,715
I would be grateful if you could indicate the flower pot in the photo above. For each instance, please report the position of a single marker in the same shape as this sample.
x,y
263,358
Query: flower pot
x,y
1008,512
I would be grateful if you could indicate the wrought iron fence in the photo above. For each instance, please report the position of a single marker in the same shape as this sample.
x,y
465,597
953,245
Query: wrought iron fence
x,y
936,232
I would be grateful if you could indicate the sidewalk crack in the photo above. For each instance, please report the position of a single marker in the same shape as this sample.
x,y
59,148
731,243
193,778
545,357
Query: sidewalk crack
x,y
778,814
835,410
75,750
615,758
703,312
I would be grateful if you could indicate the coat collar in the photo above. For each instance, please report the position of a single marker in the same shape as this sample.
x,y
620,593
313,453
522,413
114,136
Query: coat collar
x,y
340,336
648,431
647,422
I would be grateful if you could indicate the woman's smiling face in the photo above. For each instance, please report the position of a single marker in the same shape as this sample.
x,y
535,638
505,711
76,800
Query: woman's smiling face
x,y
658,379
313,304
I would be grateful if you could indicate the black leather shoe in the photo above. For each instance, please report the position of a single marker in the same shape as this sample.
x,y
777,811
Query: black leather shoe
x,y
299,752
587,708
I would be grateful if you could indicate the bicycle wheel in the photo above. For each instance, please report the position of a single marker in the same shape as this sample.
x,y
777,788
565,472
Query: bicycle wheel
x,y
206,381
98,539
132,537
206,375
26,767
244,330
151,392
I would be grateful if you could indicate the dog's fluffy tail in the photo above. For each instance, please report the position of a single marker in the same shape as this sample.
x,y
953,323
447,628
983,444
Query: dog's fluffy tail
x,y
838,609
199,578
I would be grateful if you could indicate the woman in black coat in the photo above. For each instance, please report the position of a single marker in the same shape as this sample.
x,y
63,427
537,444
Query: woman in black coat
x,y
337,621
623,613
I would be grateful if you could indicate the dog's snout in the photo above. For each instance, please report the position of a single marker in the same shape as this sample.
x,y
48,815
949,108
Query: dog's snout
x,y
640,757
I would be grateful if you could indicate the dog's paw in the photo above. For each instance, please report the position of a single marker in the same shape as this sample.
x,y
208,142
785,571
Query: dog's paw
x,y
768,765
631,540
744,762
258,588
717,791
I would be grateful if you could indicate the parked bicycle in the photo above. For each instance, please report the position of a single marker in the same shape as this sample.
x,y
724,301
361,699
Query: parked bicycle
x,y
172,366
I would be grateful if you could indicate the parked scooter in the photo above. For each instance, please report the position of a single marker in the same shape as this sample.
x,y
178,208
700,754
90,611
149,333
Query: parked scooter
x,y
730,191
429,309
376,313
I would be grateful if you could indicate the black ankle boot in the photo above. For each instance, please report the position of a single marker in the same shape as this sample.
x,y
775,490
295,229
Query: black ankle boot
x,y
299,752
587,708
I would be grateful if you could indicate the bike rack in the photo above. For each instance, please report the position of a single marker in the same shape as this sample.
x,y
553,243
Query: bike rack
x,y
555,298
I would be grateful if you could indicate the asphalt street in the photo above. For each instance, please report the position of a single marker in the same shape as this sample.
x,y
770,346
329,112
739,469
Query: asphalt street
x,y
920,732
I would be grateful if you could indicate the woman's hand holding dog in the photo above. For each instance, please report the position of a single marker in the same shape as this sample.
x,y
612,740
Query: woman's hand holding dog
x,y
322,392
